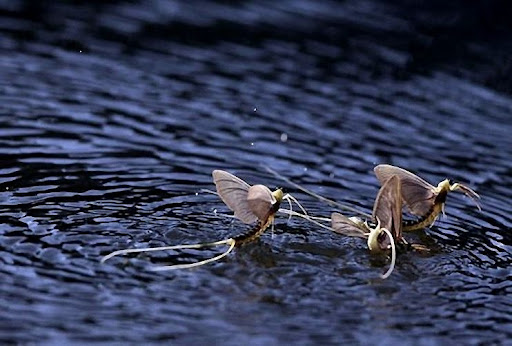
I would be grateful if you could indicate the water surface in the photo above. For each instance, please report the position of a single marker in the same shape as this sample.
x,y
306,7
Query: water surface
x,y
114,116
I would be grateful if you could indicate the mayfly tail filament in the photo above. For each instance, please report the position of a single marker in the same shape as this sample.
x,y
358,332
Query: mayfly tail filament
x,y
393,254
291,206
166,248
307,217
290,197
317,196
231,242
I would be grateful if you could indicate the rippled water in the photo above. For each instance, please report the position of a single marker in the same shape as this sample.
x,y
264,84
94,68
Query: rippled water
x,y
114,116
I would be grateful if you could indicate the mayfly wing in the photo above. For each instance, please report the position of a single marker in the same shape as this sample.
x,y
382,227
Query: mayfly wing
x,y
234,191
384,202
260,201
388,207
343,225
397,210
417,194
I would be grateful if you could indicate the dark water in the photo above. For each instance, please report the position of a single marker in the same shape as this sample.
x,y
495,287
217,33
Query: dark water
x,y
113,116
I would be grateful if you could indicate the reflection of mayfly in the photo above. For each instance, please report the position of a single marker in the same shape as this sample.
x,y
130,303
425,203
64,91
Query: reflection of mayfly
x,y
387,217
251,204
421,198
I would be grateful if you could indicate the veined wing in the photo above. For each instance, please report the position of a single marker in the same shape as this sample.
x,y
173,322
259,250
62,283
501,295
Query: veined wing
x,y
234,191
417,194
388,207
343,225
260,200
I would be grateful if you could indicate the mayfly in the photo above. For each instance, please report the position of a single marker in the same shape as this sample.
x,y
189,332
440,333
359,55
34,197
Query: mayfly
x,y
250,204
421,198
387,214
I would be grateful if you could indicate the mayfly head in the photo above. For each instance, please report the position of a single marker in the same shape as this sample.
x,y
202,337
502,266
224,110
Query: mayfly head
x,y
443,186
377,244
278,195
373,237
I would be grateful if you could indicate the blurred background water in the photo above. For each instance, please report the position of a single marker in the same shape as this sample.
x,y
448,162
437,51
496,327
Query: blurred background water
x,y
114,114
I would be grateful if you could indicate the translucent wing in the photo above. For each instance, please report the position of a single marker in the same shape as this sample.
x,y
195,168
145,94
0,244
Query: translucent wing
x,y
260,201
417,194
343,225
234,191
388,207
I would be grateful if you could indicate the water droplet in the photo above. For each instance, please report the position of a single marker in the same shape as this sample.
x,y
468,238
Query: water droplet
x,y
197,193
252,143
255,109
284,137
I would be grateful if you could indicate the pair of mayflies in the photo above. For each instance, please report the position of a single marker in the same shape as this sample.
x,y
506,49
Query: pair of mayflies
x,y
399,187
258,205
